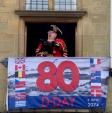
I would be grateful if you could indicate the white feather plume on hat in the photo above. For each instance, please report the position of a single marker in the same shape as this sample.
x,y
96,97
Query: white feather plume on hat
x,y
55,29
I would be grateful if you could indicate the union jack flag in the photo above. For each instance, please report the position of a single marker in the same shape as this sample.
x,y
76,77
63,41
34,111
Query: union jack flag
x,y
20,60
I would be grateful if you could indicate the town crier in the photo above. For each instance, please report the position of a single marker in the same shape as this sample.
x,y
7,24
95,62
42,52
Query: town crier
x,y
53,46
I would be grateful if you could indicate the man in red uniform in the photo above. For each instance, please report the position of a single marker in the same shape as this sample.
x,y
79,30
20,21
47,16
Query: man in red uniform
x,y
53,46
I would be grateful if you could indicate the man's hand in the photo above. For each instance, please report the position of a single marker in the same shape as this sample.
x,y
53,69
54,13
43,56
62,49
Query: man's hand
x,y
54,44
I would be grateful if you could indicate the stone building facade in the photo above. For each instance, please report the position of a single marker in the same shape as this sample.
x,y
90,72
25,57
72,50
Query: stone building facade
x,y
91,32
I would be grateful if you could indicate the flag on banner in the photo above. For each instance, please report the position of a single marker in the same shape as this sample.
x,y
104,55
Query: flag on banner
x,y
21,103
20,60
20,93
19,67
20,74
94,61
95,77
20,70
96,91
98,61
96,85
20,96
19,86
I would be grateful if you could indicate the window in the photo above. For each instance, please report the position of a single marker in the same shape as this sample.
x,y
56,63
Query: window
x,y
65,5
36,4
57,5
39,30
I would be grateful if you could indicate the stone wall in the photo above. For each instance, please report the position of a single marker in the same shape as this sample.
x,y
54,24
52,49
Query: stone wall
x,y
95,34
95,28
8,41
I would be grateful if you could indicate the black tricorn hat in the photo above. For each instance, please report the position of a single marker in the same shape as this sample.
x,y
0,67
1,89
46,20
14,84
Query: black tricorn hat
x,y
56,29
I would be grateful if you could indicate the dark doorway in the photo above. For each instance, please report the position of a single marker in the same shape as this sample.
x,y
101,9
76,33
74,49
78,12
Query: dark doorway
x,y
35,31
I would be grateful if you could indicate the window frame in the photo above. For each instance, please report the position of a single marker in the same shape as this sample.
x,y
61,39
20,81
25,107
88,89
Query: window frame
x,y
50,16
51,5
64,3
39,5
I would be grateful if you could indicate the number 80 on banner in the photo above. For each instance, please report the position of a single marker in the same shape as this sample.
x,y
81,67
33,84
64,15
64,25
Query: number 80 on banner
x,y
55,76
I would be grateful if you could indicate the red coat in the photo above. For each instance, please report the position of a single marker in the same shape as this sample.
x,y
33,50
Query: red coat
x,y
57,49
